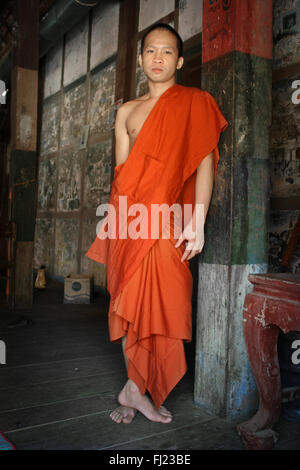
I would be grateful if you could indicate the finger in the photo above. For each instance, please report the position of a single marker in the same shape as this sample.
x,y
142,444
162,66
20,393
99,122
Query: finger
x,y
185,254
195,245
190,245
189,248
195,252
179,241
192,254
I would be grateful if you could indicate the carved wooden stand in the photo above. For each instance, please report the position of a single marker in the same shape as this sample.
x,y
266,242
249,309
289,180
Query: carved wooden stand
x,y
273,305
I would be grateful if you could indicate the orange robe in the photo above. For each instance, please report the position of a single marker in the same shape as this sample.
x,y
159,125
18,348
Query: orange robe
x,y
150,287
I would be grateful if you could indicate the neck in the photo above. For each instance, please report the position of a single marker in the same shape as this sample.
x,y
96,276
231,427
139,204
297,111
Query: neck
x,y
157,89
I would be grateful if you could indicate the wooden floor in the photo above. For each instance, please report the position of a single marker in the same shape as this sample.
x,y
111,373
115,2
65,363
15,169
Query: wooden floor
x,y
61,380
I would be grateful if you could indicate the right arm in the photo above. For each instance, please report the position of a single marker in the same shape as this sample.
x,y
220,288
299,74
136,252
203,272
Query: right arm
x,y
121,135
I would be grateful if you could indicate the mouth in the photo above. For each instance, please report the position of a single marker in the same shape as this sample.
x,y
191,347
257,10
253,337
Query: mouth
x,y
157,70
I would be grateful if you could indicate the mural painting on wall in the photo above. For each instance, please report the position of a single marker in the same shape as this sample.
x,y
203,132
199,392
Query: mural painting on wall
x,y
286,32
50,125
285,139
43,241
66,246
47,185
282,225
73,112
69,181
98,174
102,99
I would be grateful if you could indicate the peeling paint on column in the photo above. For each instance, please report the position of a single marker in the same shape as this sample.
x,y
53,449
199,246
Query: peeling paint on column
x,y
221,35
50,126
43,243
237,221
47,185
220,340
258,201
73,115
98,169
243,393
69,181
242,387
25,129
66,246
102,100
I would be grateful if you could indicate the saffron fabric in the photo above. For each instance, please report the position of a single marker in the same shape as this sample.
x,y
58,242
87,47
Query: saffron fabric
x,y
154,311
150,287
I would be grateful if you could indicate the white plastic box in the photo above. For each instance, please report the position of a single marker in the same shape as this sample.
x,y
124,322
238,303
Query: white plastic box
x,y
77,289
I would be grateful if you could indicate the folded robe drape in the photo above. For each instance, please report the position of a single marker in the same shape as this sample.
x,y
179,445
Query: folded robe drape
x,y
150,287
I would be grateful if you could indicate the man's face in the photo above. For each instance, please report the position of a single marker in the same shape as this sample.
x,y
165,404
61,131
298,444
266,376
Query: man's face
x,y
160,56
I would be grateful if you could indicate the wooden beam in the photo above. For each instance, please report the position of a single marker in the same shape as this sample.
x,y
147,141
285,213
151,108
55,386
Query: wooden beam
x,y
24,104
26,50
127,41
126,58
289,71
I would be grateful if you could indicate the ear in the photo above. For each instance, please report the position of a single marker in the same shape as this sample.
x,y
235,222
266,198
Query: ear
x,y
180,63
140,60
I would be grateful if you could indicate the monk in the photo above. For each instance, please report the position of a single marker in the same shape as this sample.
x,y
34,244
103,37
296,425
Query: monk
x,y
166,153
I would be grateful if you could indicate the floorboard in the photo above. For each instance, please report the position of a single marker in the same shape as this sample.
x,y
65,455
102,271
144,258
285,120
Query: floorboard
x,y
62,378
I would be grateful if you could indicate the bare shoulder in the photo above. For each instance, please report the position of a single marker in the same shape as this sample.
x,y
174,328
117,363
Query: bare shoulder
x,y
125,109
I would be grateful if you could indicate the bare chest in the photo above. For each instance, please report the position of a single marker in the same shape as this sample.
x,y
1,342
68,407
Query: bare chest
x,y
137,117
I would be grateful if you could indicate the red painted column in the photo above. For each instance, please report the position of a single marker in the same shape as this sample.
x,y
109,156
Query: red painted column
x,y
237,25
237,45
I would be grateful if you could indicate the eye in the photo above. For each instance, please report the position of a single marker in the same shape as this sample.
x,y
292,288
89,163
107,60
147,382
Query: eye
x,y
168,52
149,50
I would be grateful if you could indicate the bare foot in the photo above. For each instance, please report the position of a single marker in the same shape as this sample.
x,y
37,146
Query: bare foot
x,y
131,397
123,414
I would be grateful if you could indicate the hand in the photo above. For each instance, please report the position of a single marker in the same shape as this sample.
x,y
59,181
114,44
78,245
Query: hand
x,y
195,240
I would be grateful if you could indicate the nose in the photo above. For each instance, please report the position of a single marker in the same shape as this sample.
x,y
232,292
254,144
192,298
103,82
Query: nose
x,y
157,56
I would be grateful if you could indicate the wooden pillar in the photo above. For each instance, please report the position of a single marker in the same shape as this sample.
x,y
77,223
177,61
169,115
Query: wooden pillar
x,y
24,96
126,58
237,71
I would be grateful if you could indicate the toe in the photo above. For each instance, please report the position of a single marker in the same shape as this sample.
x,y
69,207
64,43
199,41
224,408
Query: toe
x,y
127,420
163,411
166,419
129,417
116,417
